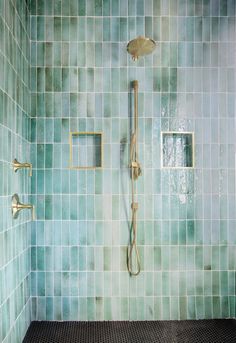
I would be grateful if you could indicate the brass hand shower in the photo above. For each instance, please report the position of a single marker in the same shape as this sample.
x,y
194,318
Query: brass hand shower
x,y
133,252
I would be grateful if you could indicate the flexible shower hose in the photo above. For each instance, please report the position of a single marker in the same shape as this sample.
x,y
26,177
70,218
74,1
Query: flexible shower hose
x,y
133,253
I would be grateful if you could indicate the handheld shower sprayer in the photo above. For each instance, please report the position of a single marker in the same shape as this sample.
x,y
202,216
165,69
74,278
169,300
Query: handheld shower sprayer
x,y
134,265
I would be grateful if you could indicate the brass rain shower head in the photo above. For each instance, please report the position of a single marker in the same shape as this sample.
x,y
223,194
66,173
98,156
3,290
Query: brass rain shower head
x,y
140,46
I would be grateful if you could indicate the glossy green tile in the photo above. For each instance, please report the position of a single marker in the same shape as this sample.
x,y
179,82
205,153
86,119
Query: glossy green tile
x,y
92,208
183,307
57,28
40,28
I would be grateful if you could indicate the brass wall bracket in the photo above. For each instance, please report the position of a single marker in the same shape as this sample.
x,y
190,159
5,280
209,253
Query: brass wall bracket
x,y
17,165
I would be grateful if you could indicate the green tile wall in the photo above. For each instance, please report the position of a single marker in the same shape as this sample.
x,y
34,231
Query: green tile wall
x,y
80,81
14,143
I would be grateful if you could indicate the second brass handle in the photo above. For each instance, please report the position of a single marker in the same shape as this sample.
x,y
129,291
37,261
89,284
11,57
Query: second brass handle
x,y
17,165
17,206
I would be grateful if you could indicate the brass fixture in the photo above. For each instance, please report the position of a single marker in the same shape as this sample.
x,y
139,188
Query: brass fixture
x,y
140,46
133,253
17,206
17,165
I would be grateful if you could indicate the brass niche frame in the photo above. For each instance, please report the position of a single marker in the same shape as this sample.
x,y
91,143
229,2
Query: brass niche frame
x,y
179,133
83,133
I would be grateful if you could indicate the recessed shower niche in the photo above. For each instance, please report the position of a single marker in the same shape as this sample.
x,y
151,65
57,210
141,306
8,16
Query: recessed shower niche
x,y
177,149
85,150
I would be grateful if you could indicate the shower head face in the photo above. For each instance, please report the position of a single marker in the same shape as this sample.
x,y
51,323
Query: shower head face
x,y
140,46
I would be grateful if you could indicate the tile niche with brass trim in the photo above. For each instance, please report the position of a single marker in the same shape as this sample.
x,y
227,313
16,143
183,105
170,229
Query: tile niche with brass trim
x,y
177,149
86,150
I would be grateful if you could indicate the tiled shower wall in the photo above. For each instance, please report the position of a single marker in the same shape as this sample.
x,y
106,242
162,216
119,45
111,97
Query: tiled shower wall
x,y
14,143
80,81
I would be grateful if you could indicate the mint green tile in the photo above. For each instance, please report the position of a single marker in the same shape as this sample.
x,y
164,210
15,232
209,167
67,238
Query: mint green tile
x,y
106,29
40,259
165,28
224,282
63,99
157,308
49,308
91,29
199,282
174,310
40,7
65,9
40,28
107,309
231,306
106,7
57,8
199,308
183,307
74,8
57,28
66,29
123,27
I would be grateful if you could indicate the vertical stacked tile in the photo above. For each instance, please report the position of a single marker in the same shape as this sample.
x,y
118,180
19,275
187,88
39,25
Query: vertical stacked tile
x,y
14,143
80,81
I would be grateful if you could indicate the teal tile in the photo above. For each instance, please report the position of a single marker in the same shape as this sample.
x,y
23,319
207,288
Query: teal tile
x,y
183,307
191,308
74,8
65,9
174,308
57,28
88,206
65,28
199,308
106,29
40,28
40,7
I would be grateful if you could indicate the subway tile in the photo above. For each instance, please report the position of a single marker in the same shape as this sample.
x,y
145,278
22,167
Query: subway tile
x,y
79,81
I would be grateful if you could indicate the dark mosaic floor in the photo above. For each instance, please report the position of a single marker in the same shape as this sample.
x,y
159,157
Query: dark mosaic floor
x,y
201,331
